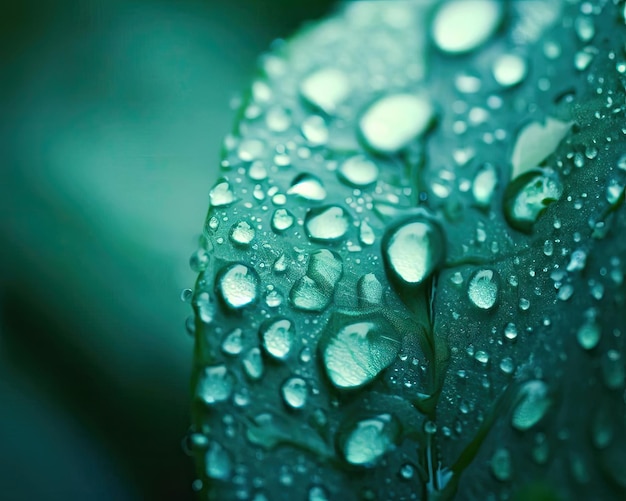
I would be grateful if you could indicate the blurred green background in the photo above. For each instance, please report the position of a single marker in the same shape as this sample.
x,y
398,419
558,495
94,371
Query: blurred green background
x,y
113,114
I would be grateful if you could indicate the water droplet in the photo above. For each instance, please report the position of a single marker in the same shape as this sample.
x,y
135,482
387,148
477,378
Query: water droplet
x,y
507,365
358,171
277,336
527,197
588,333
536,142
318,493
205,307
308,186
510,331
294,392
614,191
356,351
407,471
282,220
534,403
483,289
370,439
509,69
233,342
215,384
250,149
369,291
393,121
484,185
221,195
585,29
327,224
314,130
242,233
461,26
602,427
314,291
412,250
253,363
326,89
237,285
565,292
501,466
218,463
366,234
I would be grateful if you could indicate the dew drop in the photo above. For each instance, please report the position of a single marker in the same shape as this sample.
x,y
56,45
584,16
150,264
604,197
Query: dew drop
x,y
221,195
528,196
218,463
282,220
327,224
277,336
501,466
483,289
358,171
242,233
412,250
484,185
534,403
369,291
215,384
314,130
509,69
294,392
366,234
233,342
326,89
393,121
237,285
355,351
370,439
253,363
461,26
308,187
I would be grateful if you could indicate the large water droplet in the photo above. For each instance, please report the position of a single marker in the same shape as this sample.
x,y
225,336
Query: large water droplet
x,y
221,195
294,392
327,224
461,26
369,439
242,233
355,351
528,196
314,130
588,333
412,250
358,171
534,403
307,295
369,291
483,289
282,220
325,268
326,89
536,142
393,121
237,285
215,384
277,336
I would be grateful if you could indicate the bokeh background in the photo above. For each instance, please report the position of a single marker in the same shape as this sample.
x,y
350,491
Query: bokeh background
x,y
112,116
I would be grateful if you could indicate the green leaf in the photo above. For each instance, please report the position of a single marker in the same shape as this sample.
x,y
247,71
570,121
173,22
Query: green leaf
x,y
383,310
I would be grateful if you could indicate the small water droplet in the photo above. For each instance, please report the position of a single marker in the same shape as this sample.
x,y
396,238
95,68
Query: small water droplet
x,y
253,363
218,463
314,130
233,342
484,185
366,234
